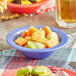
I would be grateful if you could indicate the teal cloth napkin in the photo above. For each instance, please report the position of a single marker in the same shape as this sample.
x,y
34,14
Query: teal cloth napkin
x,y
9,52
72,56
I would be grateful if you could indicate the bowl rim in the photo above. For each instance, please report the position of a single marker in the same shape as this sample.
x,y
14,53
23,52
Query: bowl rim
x,y
29,5
9,40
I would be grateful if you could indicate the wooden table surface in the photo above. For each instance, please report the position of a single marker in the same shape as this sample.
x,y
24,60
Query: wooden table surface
x,y
42,19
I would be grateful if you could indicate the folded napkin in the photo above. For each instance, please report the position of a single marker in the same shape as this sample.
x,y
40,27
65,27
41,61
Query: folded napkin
x,y
71,59
72,56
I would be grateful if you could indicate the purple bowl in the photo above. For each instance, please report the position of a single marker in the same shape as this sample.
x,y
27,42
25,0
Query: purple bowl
x,y
35,53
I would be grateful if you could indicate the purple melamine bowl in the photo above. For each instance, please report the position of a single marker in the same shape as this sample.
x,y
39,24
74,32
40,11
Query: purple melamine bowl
x,y
35,53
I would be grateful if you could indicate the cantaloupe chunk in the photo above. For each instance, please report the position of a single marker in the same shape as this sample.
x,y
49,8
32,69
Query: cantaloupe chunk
x,y
31,30
39,45
47,30
21,41
38,37
24,34
51,43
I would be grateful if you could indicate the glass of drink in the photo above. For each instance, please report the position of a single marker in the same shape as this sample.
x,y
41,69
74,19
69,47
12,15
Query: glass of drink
x,y
66,13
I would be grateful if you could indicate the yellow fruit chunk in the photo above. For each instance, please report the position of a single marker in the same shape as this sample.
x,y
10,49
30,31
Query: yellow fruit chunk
x,y
38,1
25,2
9,1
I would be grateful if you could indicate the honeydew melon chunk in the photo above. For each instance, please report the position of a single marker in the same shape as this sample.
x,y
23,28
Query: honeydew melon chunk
x,y
35,45
26,46
31,44
42,70
41,32
52,35
28,38
39,45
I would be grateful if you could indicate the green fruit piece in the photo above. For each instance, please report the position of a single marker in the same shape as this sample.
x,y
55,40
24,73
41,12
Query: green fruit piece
x,y
23,72
42,70
39,45
26,46
52,35
31,44
41,32
27,71
35,45
49,36
28,38
20,72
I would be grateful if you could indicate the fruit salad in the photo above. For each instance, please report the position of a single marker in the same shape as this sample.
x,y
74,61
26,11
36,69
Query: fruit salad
x,y
24,1
40,71
38,38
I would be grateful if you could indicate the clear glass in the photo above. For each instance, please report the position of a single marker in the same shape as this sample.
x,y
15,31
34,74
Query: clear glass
x,y
66,13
